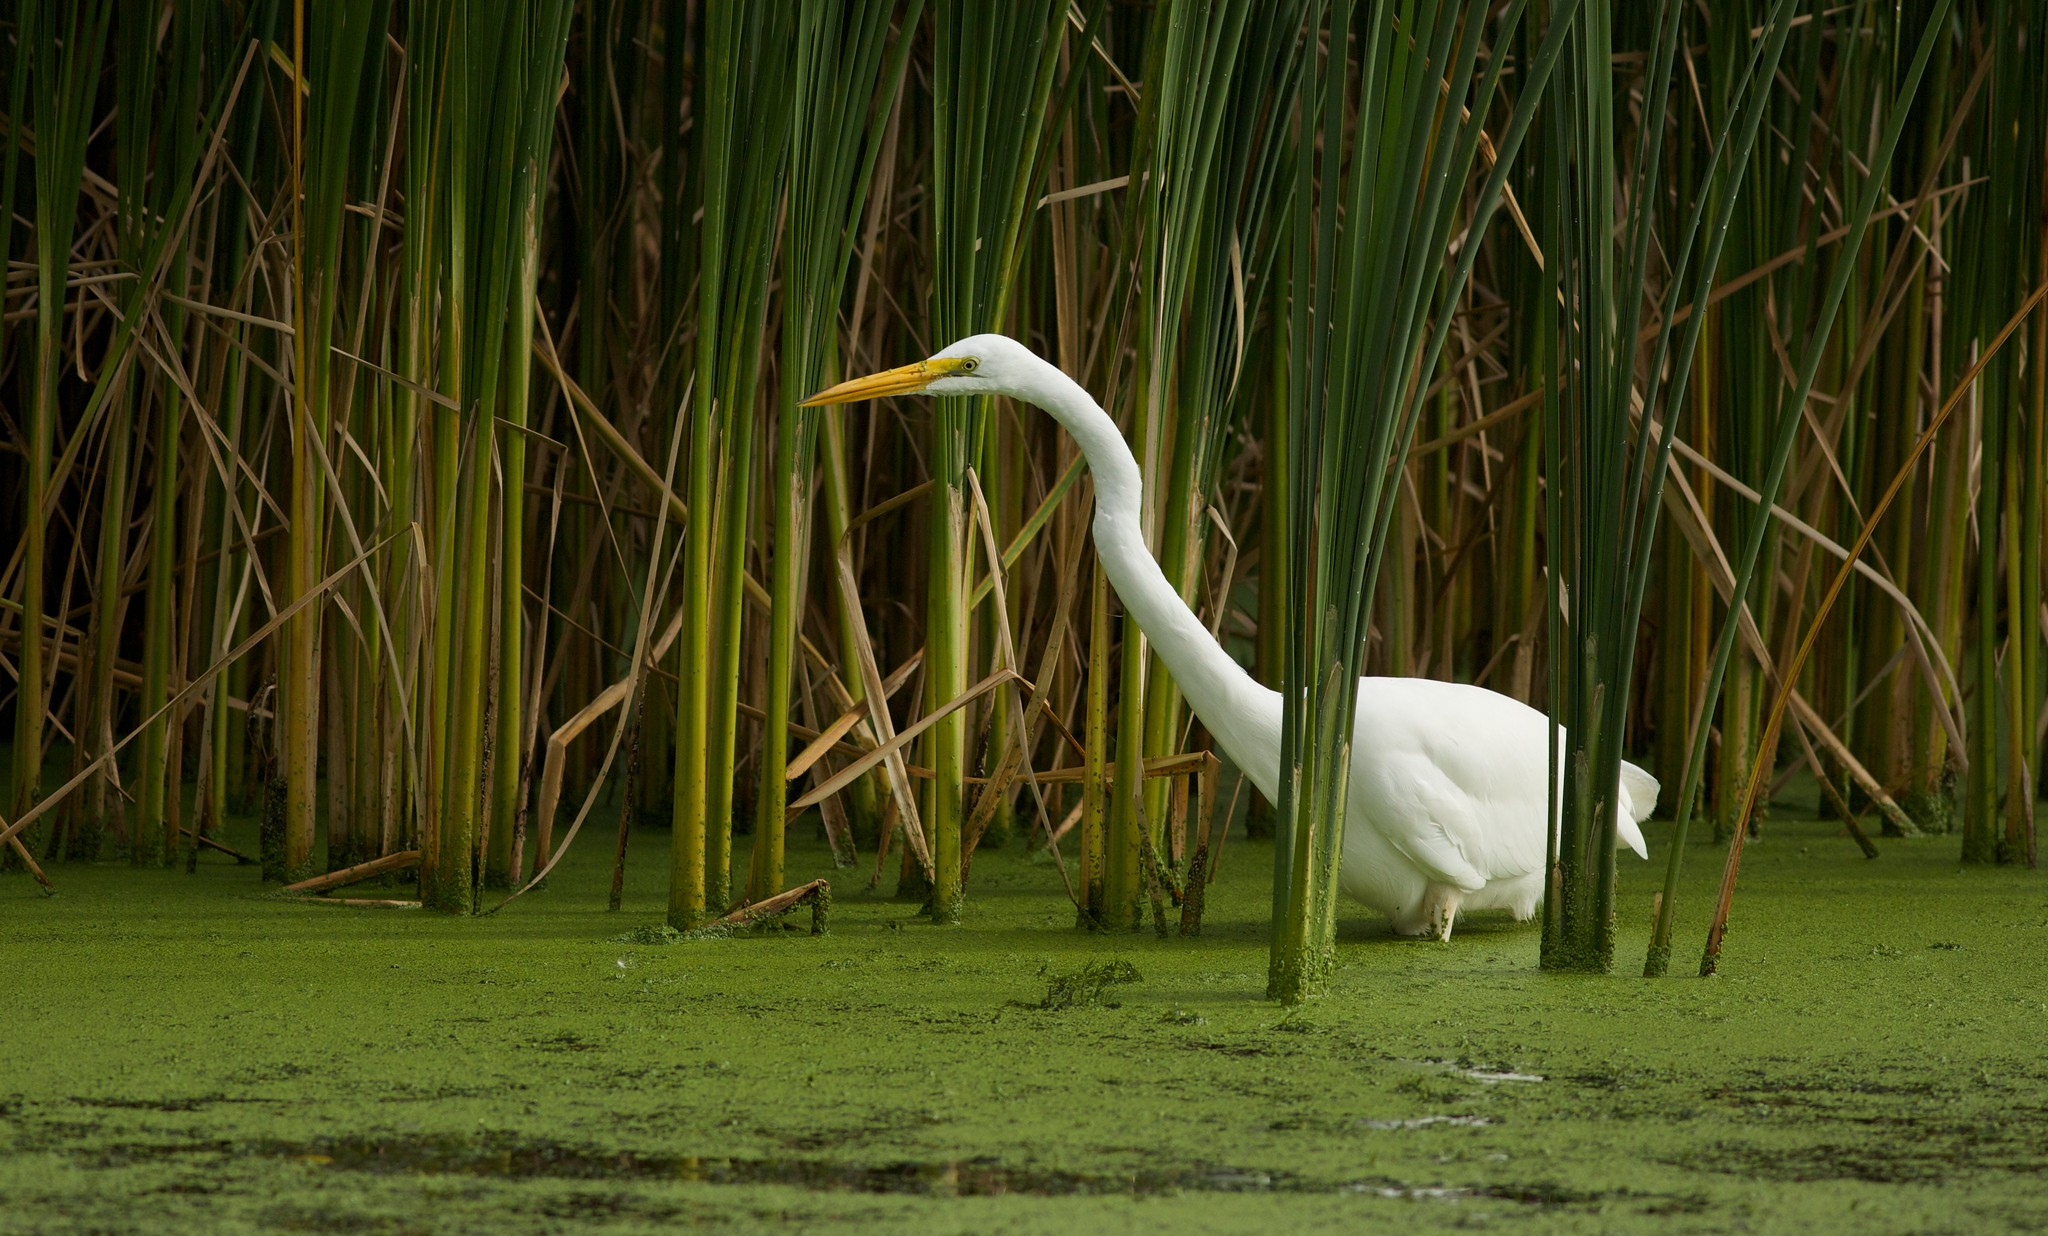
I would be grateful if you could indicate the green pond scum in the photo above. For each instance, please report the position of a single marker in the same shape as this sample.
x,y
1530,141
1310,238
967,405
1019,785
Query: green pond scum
x,y
195,1054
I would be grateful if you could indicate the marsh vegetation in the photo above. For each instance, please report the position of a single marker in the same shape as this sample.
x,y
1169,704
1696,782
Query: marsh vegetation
x,y
400,439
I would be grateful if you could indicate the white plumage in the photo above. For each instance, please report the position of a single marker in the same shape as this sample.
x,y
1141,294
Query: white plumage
x,y
1446,809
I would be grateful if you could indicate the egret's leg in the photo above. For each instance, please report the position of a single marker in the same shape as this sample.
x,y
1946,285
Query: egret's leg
x,y
1440,909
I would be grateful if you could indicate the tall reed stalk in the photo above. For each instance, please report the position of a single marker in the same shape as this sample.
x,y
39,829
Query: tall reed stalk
x,y
489,148
2002,257
235,562
65,40
1211,142
743,114
1791,399
330,49
992,90
846,79
177,137
528,91
1373,292
1606,474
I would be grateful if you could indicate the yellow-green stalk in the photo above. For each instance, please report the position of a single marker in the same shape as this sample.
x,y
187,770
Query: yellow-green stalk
x,y
992,79
846,88
742,130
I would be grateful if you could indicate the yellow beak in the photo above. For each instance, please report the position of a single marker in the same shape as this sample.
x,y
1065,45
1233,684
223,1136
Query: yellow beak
x,y
902,380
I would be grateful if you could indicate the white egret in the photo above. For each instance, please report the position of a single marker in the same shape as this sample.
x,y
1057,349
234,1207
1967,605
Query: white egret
x,y
1446,810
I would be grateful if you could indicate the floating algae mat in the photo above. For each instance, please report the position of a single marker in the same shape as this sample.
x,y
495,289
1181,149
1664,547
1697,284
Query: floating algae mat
x,y
190,1053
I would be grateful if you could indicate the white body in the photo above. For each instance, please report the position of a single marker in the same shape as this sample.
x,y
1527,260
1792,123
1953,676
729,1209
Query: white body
x,y
1447,806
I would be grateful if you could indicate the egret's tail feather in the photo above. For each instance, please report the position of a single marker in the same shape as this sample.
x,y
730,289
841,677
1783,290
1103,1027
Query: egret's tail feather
x,y
1638,799
1642,790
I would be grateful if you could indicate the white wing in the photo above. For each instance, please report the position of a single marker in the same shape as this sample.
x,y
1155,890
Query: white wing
x,y
1452,776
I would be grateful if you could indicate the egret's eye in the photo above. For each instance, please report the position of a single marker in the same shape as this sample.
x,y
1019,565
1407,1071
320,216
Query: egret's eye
x,y
969,365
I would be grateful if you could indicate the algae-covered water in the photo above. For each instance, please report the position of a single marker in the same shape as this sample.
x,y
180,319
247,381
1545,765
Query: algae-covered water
x,y
187,1053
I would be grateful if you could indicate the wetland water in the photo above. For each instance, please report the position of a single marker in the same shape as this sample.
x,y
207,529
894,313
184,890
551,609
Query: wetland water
x,y
190,1054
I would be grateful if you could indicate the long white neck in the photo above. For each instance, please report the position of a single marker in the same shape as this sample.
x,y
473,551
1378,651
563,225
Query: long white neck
x,y
1238,710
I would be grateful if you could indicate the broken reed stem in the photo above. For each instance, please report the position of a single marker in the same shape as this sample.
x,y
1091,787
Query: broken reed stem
x,y
352,875
28,860
1834,796
817,895
628,800
201,839
361,903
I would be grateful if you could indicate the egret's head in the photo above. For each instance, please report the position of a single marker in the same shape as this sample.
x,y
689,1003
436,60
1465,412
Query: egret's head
x,y
976,365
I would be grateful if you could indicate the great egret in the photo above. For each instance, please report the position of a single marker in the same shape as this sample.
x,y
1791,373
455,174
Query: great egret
x,y
1446,810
